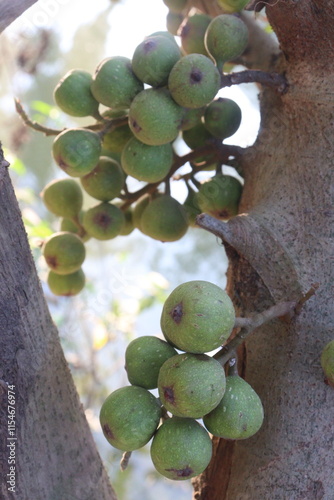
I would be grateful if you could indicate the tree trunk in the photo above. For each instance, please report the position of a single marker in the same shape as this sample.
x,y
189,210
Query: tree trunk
x,y
11,10
47,450
280,244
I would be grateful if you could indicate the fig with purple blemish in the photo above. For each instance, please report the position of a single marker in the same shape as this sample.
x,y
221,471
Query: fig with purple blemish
x,y
64,252
205,320
191,385
181,449
129,417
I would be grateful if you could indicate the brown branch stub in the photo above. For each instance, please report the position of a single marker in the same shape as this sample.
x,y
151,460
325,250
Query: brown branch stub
x,y
274,80
125,460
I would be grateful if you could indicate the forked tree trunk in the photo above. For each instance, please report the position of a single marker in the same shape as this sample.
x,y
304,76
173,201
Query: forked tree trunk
x,y
46,450
281,243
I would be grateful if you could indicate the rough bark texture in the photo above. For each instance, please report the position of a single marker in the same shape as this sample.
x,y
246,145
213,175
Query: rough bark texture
x,y
12,9
280,245
54,454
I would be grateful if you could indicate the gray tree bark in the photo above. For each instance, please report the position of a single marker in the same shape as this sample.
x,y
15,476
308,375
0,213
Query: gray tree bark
x,y
11,10
47,440
281,243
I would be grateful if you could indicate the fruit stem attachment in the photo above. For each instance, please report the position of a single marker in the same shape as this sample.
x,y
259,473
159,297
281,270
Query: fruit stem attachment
x,y
273,80
125,460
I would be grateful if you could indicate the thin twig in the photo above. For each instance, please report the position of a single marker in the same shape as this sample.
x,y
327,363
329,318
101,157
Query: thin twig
x,y
125,460
32,124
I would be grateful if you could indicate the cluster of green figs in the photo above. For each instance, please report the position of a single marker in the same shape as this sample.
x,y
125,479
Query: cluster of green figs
x,y
196,398
166,92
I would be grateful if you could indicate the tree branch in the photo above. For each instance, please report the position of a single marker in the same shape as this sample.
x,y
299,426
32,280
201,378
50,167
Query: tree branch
x,y
273,80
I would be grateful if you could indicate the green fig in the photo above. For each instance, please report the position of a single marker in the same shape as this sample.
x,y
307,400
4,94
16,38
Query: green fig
x,y
231,6
164,219
129,417
191,385
64,252
147,163
73,95
226,38
154,58
115,140
198,316
239,415
181,449
220,196
104,221
106,181
194,81
192,117
77,151
175,5
74,226
63,197
114,83
192,33
139,209
191,207
66,285
222,117
327,362
144,357
145,117
173,22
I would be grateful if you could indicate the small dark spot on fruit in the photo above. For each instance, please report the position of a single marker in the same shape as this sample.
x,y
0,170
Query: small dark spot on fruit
x,y
199,314
107,431
223,214
51,260
135,126
103,220
187,471
177,313
241,414
169,394
244,427
196,76
149,45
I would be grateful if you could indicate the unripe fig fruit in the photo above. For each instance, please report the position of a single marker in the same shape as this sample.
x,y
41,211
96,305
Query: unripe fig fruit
x,y
128,225
129,417
104,221
115,140
231,6
63,197
144,357
222,117
114,83
71,226
147,163
66,285
154,58
77,151
145,114
173,22
197,137
73,95
239,414
164,219
192,117
64,252
191,385
181,449
175,5
139,209
106,181
192,33
220,196
191,206
226,38
198,316
194,81
327,362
